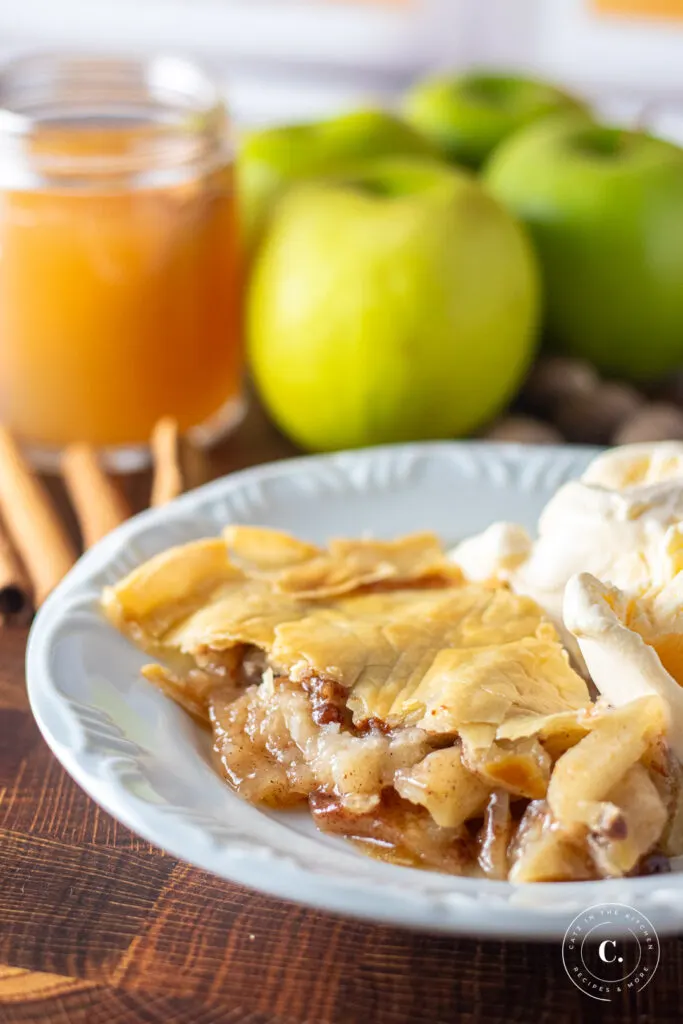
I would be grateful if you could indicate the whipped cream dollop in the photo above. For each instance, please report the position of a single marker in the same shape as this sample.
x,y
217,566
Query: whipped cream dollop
x,y
617,522
631,645
494,554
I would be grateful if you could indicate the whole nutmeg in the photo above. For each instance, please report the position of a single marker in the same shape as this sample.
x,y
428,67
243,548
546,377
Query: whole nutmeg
x,y
593,417
524,430
656,421
671,390
555,377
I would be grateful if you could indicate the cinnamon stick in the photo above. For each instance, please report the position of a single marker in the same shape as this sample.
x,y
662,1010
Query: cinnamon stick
x,y
16,599
98,503
178,464
32,523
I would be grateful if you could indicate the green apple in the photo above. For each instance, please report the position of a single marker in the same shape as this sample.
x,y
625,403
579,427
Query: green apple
x,y
605,209
468,116
395,305
273,159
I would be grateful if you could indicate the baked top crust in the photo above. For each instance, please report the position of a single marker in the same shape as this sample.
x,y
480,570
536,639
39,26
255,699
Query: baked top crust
x,y
424,715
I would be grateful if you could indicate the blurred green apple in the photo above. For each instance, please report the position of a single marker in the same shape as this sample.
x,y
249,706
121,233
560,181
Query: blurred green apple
x,y
398,304
605,209
270,160
466,117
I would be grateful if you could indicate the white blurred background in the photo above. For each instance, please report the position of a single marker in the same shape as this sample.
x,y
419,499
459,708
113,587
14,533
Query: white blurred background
x,y
296,59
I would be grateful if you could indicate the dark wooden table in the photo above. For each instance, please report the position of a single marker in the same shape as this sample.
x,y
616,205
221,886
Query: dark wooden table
x,y
99,927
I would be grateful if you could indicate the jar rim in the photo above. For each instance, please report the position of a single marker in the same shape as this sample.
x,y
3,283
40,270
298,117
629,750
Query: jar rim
x,y
178,110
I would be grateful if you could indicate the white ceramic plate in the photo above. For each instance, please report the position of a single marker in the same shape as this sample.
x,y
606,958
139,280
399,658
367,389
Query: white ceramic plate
x,y
142,758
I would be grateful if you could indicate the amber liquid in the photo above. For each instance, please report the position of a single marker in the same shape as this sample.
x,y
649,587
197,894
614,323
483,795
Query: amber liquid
x,y
117,306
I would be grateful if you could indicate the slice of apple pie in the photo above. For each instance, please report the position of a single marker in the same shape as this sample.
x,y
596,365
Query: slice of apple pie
x,y
436,721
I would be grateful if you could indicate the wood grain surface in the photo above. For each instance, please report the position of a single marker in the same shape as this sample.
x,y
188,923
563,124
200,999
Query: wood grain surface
x,y
99,927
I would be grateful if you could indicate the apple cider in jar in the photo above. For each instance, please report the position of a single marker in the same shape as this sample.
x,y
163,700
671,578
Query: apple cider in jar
x,y
119,270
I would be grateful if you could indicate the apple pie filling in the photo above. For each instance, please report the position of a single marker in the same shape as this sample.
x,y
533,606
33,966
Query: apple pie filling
x,y
436,721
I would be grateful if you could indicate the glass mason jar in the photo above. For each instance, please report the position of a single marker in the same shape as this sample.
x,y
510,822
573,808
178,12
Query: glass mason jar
x,y
120,288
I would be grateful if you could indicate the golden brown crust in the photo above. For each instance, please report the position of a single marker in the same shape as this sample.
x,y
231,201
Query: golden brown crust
x,y
435,721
